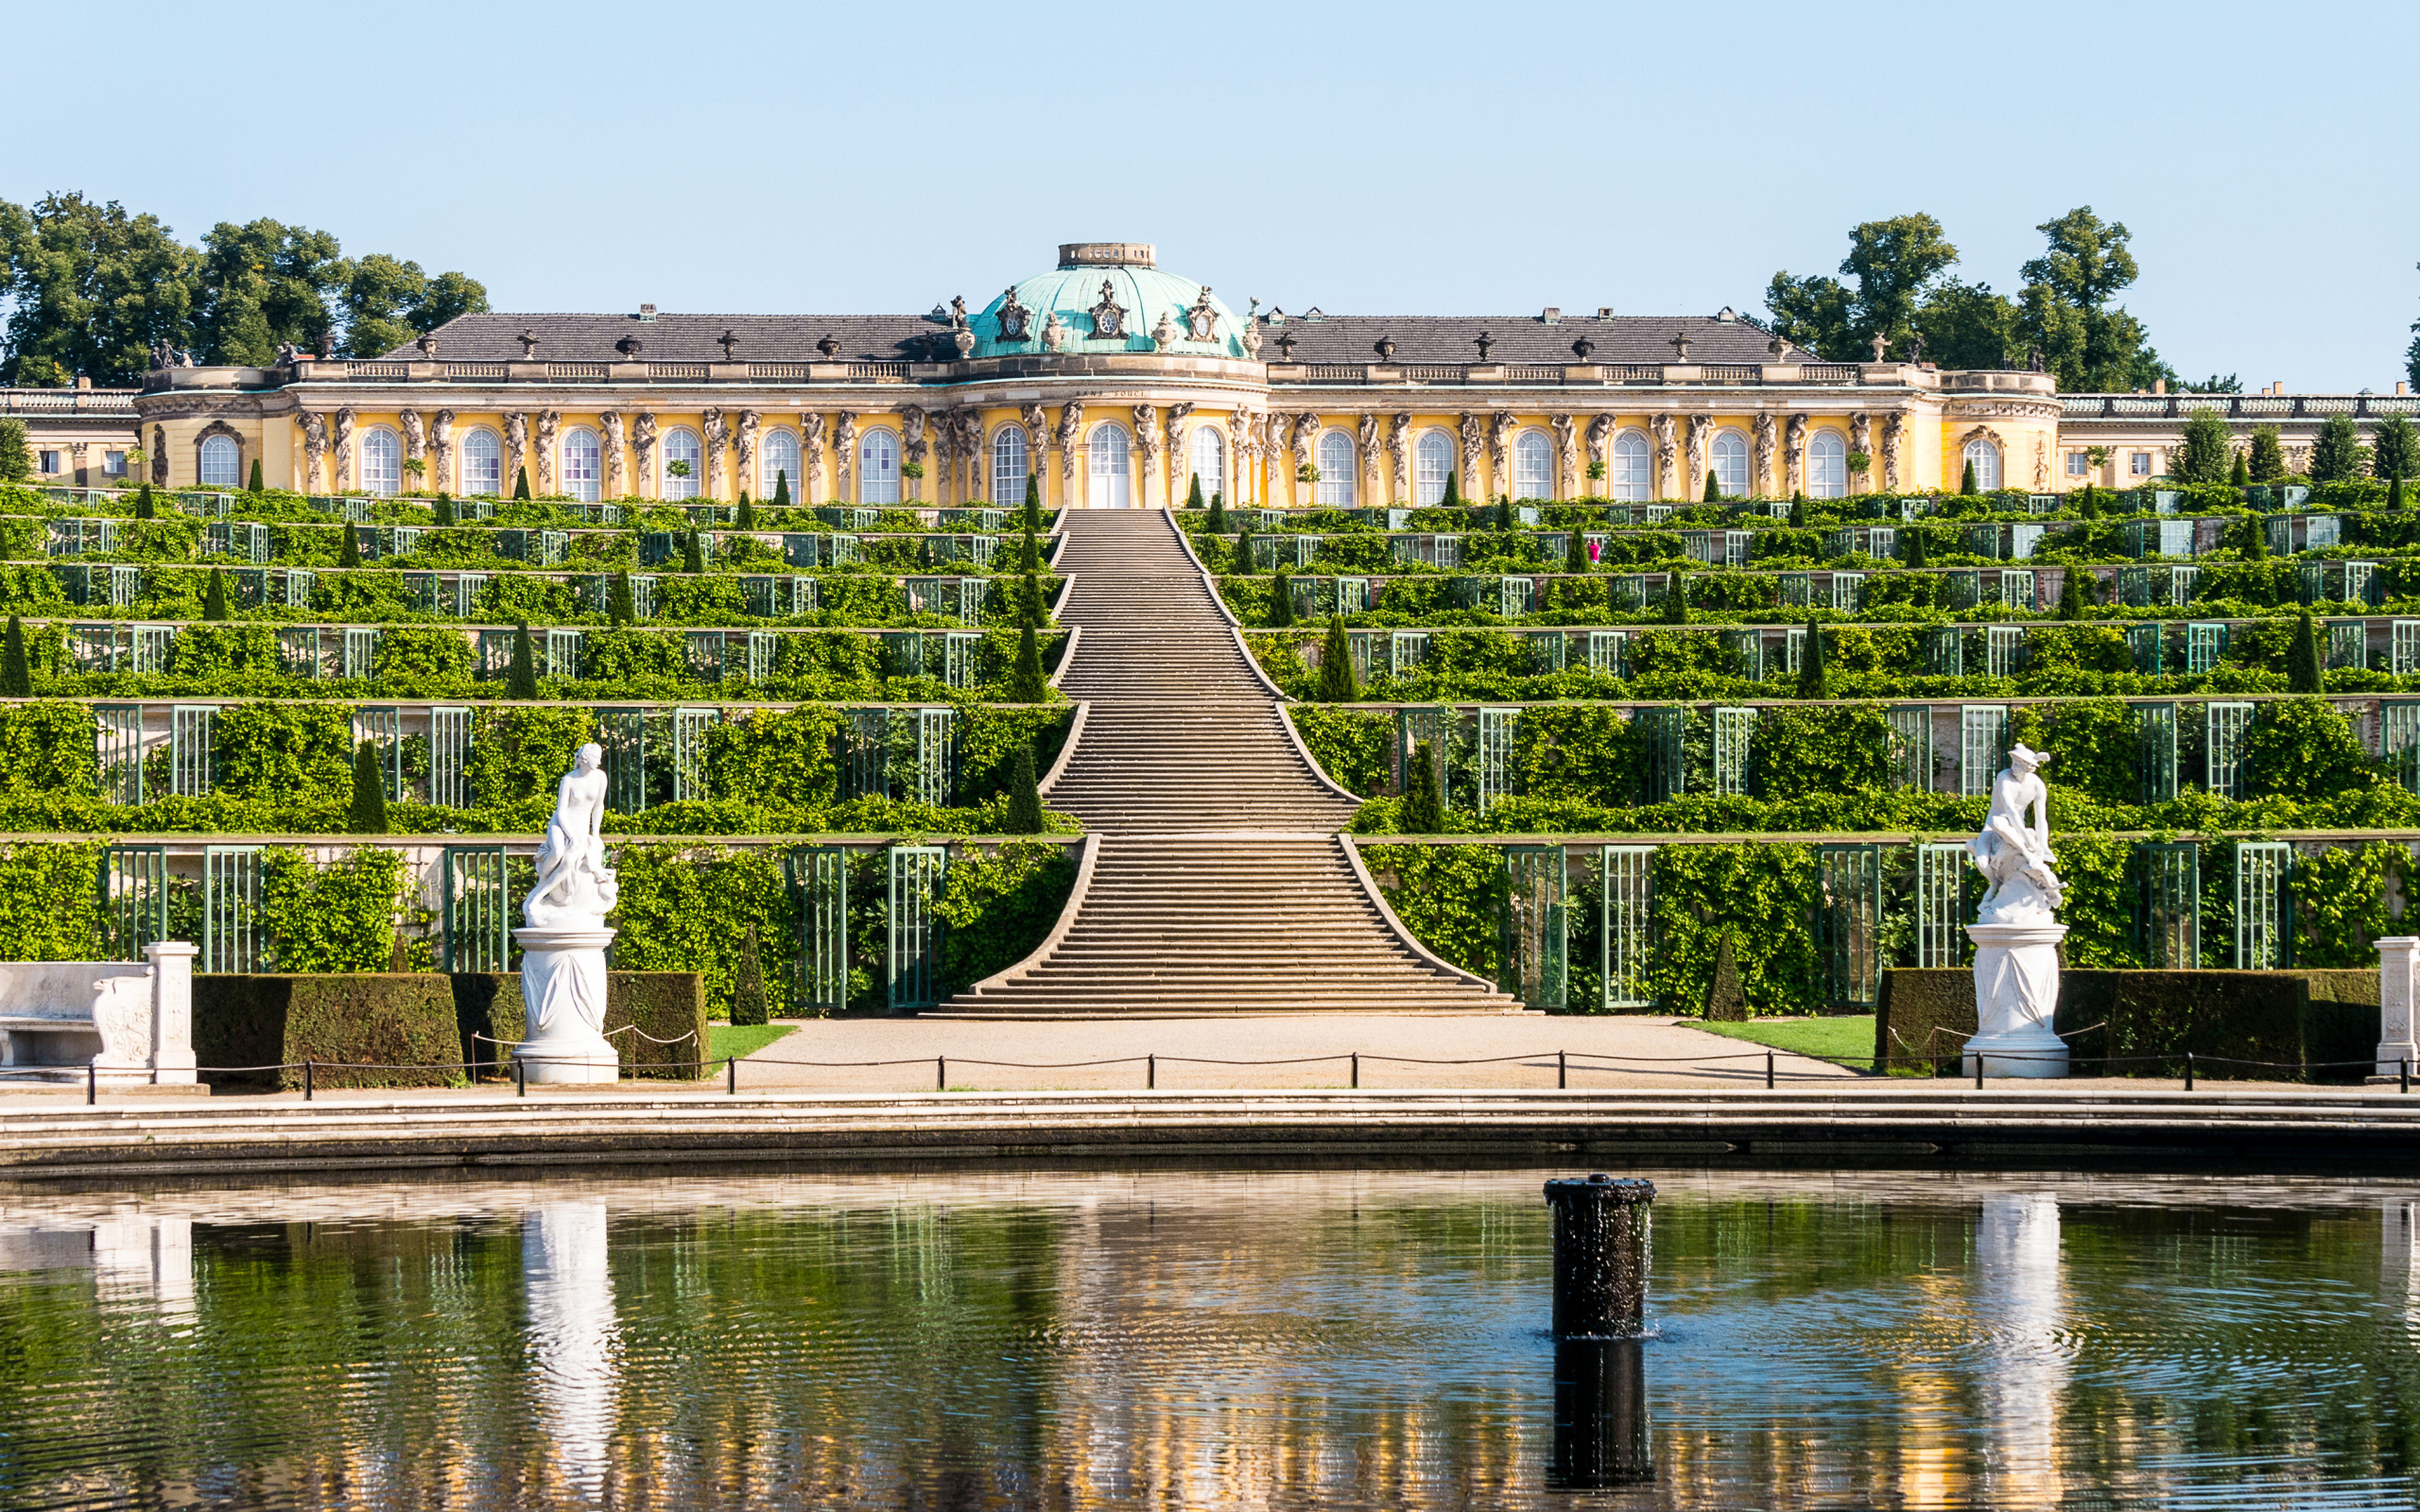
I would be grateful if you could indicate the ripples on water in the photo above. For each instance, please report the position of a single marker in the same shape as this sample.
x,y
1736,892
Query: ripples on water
x,y
1168,1339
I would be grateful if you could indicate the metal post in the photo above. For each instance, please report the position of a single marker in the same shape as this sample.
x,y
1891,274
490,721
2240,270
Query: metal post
x,y
1562,1072
308,1067
2403,1074
1769,1070
1356,1071
730,1063
520,1077
1978,1072
1151,1071
2189,1070
941,1074
1601,1249
92,1084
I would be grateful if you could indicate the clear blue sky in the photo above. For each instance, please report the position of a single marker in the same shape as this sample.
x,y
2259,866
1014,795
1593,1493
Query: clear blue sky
x,y
1412,159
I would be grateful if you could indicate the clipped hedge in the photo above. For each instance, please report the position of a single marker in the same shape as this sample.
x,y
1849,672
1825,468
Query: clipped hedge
x,y
660,1006
370,1020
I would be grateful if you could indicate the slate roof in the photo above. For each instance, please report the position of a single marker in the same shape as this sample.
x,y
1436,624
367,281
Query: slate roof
x,y
1338,338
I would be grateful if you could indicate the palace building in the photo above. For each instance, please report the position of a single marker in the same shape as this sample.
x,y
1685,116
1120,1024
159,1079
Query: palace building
x,y
1116,384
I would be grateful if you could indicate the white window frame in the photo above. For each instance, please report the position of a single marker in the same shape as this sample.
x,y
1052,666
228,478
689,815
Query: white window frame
x,y
381,462
1433,459
1986,458
113,464
1011,464
466,480
49,461
584,463
879,466
1728,461
233,452
1532,465
1827,465
780,445
682,444
1209,459
1114,494
2138,464
1333,456
1634,468
2079,465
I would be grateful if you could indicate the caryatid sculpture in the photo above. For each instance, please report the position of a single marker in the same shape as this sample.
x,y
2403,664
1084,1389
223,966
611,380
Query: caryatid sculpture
x,y
562,945
2016,933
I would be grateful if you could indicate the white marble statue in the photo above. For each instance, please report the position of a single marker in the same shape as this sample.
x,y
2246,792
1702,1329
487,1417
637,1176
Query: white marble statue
x,y
2016,933
563,949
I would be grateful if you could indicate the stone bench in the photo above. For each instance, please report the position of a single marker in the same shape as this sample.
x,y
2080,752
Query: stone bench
x,y
128,1021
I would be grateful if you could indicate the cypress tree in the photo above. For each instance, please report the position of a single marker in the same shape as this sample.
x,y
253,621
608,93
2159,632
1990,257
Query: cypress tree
x,y
1813,682
1713,489
1026,683
1575,554
2268,456
1421,812
1797,510
621,608
2302,671
2239,476
1966,480
368,812
1337,684
1193,495
2255,539
443,513
1281,603
347,549
924,553
1914,550
1725,1000
2088,503
748,984
1242,566
693,553
521,483
747,512
16,678
1024,794
1036,611
1032,505
1217,522
521,680
2395,493
1676,599
214,595
2071,595
782,488
144,508
257,477
1453,497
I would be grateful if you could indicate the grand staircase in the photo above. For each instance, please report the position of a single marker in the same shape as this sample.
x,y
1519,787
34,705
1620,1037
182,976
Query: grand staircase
x,y
1218,883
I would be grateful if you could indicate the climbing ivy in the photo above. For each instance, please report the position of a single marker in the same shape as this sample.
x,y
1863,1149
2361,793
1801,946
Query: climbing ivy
x,y
337,915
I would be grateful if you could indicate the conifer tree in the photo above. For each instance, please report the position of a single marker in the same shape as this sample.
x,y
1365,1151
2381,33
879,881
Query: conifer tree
x,y
1026,683
2255,539
442,512
1034,610
2071,595
1453,496
1281,603
1024,794
2302,671
214,595
144,508
16,677
2087,503
621,607
1421,811
1242,564
521,483
256,487
1797,510
1966,480
347,549
1193,495
520,679
1713,489
1217,522
2395,492
748,984
1676,599
1336,683
1914,548
782,488
1032,504
1727,1001
2336,452
693,553
2239,476
368,812
2268,456
1813,682
1575,552
747,512
1503,511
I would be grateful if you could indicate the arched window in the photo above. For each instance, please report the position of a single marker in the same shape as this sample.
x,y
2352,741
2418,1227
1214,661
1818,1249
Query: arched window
x,y
1986,459
681,445
1532,466
1432,462
778,455
1335,461
877,468
1209,460
1827,466
1112,469
1634,468
219,458
581,464
382,460
1010,468
482,464
1729,464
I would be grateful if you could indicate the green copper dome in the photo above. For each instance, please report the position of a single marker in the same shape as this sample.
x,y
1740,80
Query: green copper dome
x,y
1101,285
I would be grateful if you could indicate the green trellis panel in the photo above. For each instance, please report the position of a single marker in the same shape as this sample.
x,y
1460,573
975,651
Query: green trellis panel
x,y
1962,589
467,589
1941,914
1627,937
298,651
1406,649
961,657
2155,752
2205,644
1533,930
1496,732
2169,924
449,756
1911,746
622,732
1547,650
1796,589
1415,727
704,654
1745,648
1734,730
382,727
1848,590
134,899
2400,740
300,583
2003,650
1944,651
761,647
2016,587
2149,644
2348,644
690,726
154,648
820,881
360,657
1849,879
2264,905
562,654
1982,746
475,906
1661,727
2228,725
2404,647
117,750
917,872
230,908
190,729
1793,648
862,756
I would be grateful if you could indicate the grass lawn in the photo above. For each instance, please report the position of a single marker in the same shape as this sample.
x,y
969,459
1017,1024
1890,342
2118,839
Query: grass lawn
x,y
725,1040
1849,1039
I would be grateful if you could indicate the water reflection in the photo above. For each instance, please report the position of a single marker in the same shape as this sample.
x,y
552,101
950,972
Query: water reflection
x,y
570,1290
1599,1416
2024,1367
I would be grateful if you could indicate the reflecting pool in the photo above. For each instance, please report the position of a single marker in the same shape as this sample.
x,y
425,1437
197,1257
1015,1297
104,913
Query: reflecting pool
x,y
1214,1338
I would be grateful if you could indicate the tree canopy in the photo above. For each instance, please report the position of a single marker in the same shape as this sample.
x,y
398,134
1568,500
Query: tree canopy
x,y
90,288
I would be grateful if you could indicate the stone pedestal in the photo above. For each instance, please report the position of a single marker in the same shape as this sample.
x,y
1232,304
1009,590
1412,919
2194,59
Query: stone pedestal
x,y
562,985
2398,957
2016,992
